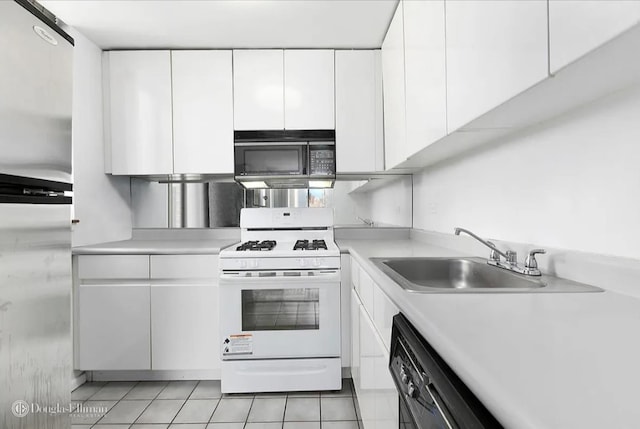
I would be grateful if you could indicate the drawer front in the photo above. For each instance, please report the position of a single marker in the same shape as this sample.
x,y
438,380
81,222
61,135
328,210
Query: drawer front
x,y
355,275
184,267
113,266
366,292
383,312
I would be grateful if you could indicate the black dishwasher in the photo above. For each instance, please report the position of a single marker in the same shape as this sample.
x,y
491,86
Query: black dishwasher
x,y
431,394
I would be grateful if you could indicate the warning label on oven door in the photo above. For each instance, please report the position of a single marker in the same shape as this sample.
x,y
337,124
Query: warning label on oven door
x,y
239,344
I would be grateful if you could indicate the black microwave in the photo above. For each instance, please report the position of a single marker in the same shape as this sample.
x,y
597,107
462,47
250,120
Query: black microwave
x,y
285,159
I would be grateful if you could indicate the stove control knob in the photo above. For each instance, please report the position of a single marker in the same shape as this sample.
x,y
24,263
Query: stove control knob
x,y
316,262
302,262
254,263
243,264
404,377
412,391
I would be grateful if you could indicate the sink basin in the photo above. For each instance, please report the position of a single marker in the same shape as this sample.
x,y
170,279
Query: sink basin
x,y
455,275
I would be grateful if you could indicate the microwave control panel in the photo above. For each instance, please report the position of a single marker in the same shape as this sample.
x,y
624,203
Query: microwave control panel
x,y
322,161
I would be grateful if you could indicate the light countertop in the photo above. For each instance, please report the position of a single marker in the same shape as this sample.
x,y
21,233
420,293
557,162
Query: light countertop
x,y
535,360
156,247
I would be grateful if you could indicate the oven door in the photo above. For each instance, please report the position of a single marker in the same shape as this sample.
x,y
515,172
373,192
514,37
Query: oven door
x,y
283,314
277,159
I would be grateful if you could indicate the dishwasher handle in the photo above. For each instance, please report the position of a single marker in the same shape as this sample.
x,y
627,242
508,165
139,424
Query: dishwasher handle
x,y
444,412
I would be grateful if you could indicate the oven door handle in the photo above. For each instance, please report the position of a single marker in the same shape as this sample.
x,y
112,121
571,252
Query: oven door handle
x,y
330,275
444,412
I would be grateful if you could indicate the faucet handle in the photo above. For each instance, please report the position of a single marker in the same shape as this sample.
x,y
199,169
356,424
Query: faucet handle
x,y
531,262
493,256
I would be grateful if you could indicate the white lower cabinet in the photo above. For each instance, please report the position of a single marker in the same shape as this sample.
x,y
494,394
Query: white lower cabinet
x,y
114,327
184,327
375,390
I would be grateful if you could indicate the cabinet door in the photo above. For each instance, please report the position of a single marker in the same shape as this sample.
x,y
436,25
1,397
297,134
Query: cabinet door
x,y
385,400
359,141
258,85
355,341
495,50
368,361
114,331
309,90
139,112
184,326
425,73
383,312
579,26
202,112
395,149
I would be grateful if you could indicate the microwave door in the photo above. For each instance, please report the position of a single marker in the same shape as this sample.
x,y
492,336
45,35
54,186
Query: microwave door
x,y
270,159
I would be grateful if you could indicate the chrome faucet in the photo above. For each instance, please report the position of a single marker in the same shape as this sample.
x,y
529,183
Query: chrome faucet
x,y
367,222
530,267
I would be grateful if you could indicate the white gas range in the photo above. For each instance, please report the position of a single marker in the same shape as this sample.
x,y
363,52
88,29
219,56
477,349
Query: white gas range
x,y
280,303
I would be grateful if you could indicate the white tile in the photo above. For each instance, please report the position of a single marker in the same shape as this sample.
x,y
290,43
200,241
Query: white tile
x,y
302,409
114,390
301,425
225,426
84,392
149,426
125,412
188,426
312,394
110,427
337,409
207,389
263,425
146,390
196,411
161,411
232,410
178,390
340,425
267,410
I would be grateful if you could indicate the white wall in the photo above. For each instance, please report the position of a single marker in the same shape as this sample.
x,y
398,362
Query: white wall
x,y
391,205
101,202
572,182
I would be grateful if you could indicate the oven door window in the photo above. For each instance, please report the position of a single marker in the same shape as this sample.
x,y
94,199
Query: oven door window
x,y
281,309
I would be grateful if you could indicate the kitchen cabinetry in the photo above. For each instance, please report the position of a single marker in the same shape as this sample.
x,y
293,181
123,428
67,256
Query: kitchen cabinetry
x,y
359,128
168,112
138,124
495,50
276,89
202,112
579,26
258,85
166,319
114,326
395,149
374,386
309,90
425,73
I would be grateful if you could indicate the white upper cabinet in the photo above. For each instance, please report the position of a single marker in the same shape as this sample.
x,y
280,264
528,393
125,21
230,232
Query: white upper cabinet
x,y
138,95
579,26
309,90
359,128
258,83
395,150
495,50
202,112
425,73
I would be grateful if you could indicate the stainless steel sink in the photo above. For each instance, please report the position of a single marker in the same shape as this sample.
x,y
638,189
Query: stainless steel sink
x,y
460,275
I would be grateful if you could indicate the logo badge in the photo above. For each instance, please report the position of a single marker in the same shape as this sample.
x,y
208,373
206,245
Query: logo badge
x,y
45,35
20,408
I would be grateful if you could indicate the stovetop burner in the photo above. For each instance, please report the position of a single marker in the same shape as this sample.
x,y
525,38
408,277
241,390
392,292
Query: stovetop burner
x,y
310,245
264,245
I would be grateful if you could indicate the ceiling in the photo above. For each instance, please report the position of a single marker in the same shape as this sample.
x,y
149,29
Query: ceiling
x,y
142,24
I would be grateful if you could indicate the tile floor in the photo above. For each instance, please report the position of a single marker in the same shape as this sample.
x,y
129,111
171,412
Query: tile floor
x,y
200,405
